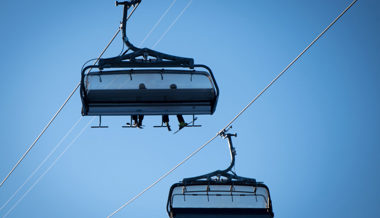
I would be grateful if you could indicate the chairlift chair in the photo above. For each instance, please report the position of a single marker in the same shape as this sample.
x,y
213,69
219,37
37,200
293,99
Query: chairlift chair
x,y
227,199
114,88
220,194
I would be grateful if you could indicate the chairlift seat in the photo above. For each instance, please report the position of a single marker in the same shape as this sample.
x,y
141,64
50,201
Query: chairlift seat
x,y
211,199
118,92
149,96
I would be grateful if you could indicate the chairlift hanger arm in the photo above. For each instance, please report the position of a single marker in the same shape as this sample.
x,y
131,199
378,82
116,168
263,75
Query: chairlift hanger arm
x,y
127,5
227,173
232,151
130,60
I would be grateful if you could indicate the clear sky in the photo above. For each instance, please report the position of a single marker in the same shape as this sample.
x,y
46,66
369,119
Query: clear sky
x,y
313,138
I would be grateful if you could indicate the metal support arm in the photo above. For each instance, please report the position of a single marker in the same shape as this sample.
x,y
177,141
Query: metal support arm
x,y
150,58
127,5
228,174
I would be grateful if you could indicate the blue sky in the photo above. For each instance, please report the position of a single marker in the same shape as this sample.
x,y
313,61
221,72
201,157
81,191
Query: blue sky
x,y
313,138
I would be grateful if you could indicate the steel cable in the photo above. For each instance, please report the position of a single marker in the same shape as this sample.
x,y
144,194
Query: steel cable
x,y
237,116
42,162
156,24
172,24
49,168
63,105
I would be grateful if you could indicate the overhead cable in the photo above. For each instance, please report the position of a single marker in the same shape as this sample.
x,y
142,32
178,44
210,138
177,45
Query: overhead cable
x,y
172,24
234,119
156,24
162,177
49,168
63,105
166,174
42,162
39,136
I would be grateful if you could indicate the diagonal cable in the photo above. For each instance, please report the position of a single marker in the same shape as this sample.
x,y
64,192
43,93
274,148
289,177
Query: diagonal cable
x,y
49,168
42,162
240,113
163,176
172,24
170,171
63,105
158,22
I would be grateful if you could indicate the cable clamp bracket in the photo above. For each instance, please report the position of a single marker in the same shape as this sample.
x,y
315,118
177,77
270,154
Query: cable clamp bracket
x,y
128,3
223,132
